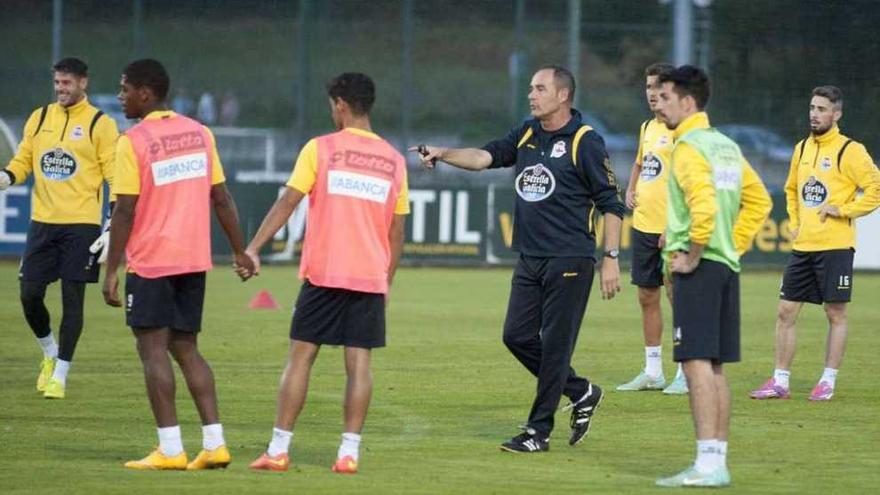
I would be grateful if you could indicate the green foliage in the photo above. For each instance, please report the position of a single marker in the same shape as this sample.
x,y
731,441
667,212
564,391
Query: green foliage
x,y
764,58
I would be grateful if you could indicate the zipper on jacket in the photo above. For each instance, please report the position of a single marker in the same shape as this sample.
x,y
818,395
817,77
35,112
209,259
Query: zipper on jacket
x,y
816,157
66,120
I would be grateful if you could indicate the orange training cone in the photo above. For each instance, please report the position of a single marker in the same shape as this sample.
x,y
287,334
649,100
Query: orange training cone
x,y
263,300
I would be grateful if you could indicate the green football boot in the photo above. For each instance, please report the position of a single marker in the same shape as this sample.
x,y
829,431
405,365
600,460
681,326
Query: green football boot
x,y
643,382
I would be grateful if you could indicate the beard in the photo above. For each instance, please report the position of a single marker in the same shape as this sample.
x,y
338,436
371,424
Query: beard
x,y
818,130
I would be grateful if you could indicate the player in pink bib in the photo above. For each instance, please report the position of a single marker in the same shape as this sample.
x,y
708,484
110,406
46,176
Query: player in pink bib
x,y
170,177
357,189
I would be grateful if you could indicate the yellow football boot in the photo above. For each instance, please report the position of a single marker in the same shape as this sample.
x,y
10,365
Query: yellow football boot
x,y
157,461
47,367
54,389
210,459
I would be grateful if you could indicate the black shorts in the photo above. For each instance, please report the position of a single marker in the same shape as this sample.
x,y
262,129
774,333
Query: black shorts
x,y
173,302
818,277
325,315
705,313
647,260
56,251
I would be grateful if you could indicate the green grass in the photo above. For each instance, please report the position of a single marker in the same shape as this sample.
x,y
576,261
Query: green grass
x,y
446,394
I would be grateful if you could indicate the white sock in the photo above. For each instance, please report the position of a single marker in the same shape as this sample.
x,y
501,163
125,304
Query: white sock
x,y
212,436
781,377
350,445
706,455
61,369
653,361
169,441
280,443
722,453
679,373
50,348
829,376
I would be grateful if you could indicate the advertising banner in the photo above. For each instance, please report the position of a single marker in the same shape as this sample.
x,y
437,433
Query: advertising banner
x,y
446,226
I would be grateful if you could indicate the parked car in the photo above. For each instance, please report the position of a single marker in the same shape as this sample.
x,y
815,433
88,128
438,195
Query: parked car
x,y
614,142
760,140
766,150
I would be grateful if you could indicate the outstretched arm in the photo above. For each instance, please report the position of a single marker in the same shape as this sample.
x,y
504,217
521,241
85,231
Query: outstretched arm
x,y
498,153
464,158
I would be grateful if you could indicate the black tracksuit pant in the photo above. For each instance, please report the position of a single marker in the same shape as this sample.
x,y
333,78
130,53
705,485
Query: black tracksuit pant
x,y
548,297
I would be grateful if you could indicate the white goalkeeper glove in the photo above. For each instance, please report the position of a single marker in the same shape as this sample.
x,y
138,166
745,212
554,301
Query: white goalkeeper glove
x,y
102,244
5,180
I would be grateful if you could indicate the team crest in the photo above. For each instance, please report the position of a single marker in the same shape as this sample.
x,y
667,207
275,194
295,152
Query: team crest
x,y
558,149
814,192
826,164
76,133
535,183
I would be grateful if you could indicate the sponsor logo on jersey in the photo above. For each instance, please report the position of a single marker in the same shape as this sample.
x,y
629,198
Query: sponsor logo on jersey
x,y
58,165
826,164
76,133
366,161
535,183
814,192
558,149
180,168
360,186
663,140
184,141
652,167
727,178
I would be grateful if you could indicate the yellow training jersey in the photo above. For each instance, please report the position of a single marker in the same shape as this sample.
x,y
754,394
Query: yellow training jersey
x,y
305,171
128,175
654,157
829,170
70,152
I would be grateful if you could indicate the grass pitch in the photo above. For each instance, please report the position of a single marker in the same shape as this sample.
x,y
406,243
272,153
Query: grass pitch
x,y
446,394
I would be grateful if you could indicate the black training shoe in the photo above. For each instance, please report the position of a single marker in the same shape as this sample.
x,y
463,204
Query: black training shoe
x,y
582,414
527,441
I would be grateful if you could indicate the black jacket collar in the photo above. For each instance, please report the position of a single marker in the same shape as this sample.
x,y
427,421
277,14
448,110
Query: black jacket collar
x,y
568,129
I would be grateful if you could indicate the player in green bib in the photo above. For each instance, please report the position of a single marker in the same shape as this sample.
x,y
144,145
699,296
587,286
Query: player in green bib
x,y
716,206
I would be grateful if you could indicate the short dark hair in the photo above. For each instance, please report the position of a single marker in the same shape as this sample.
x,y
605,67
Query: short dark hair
x,y
148,73
689,81
563,79
833,93
354,88
73,66
658,69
